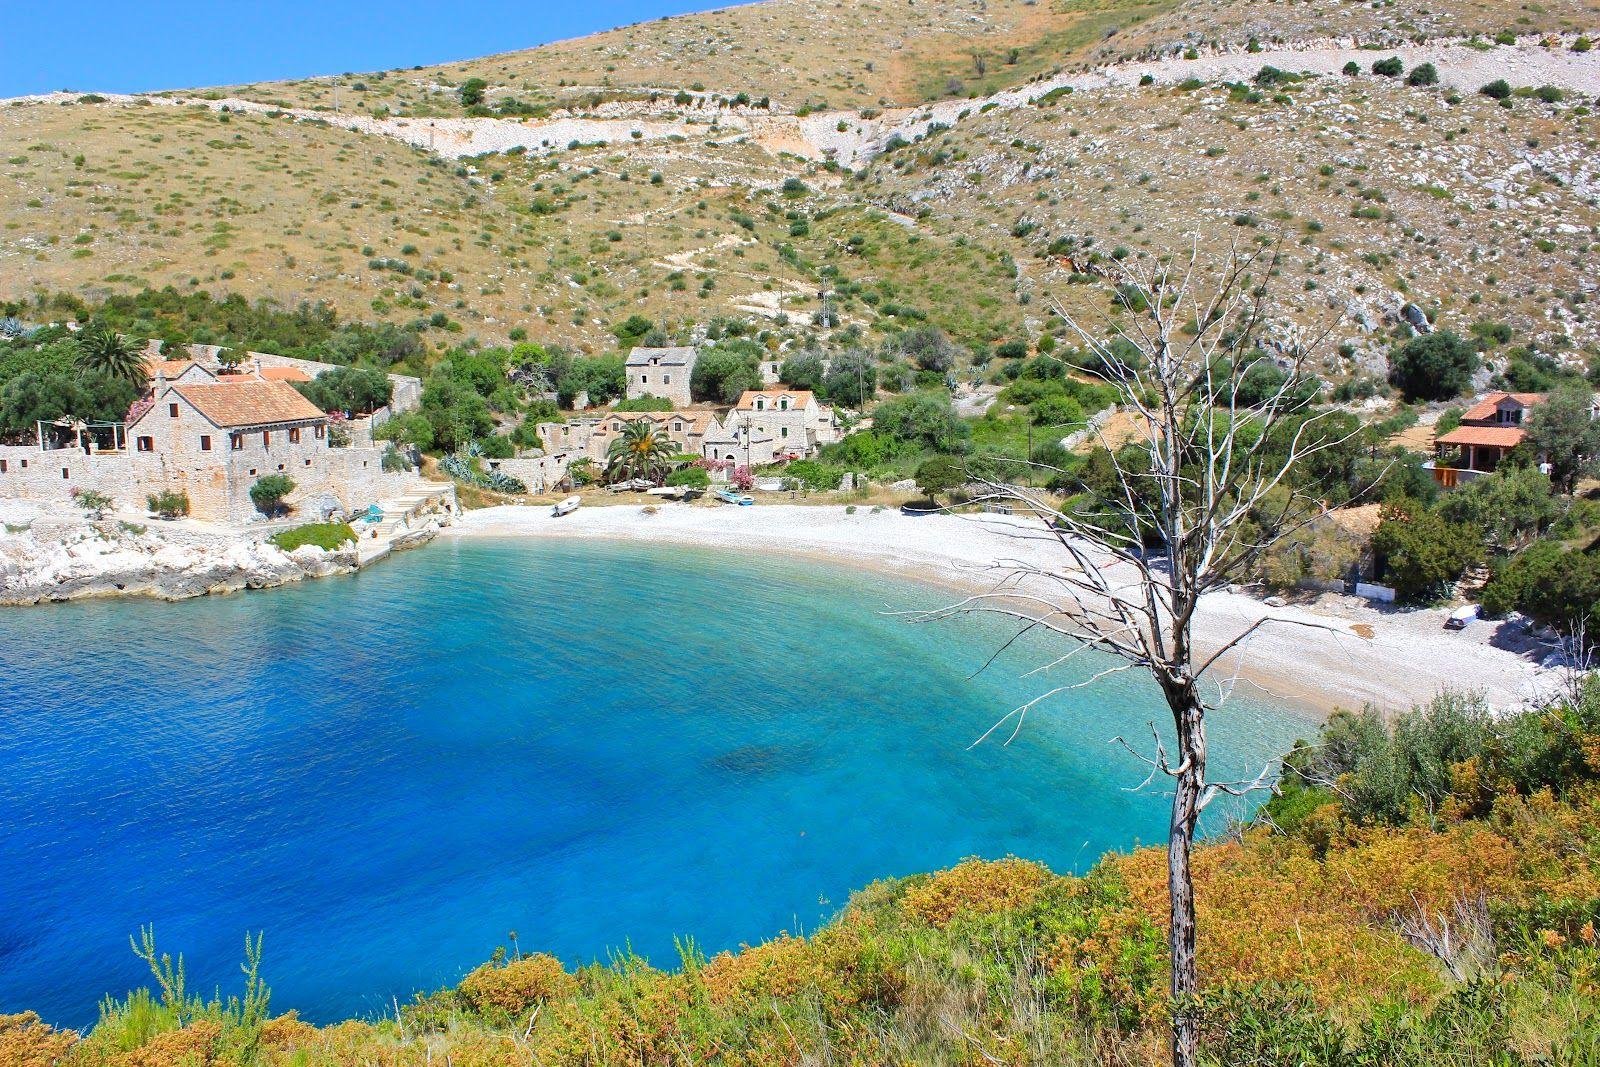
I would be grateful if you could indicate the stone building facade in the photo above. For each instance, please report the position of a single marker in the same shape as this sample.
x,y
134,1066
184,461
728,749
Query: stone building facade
x,y
591,436
770,425
661,372
211,440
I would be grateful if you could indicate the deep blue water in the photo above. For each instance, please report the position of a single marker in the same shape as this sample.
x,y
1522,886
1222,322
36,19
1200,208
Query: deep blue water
x,y
594,745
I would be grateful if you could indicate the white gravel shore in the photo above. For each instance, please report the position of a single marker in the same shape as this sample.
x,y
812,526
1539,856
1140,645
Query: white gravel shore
x,y
1408,657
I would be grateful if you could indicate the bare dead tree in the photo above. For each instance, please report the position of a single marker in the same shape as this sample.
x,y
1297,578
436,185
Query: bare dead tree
x,y
1192,508
1462,939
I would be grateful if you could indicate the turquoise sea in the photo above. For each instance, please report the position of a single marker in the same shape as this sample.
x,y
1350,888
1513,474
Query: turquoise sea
x,y
595,745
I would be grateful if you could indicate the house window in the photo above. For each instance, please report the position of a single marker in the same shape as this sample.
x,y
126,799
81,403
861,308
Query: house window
x,y
65,473
236,441
761,405
784,432
205,442
666,379
2,466
644,379
783,405
146,444
172,411
321,431
266,438
294,436
280,466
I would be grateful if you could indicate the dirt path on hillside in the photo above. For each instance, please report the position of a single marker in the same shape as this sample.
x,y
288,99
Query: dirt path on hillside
x,y
850,139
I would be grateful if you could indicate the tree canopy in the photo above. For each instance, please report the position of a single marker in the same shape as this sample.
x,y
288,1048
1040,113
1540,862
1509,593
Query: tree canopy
x,y
1562,430
1435,366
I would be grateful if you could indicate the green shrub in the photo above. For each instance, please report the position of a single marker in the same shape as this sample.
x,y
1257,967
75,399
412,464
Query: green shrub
x,y
1389,68
1499,89
268,492
691,477
169,503
814,475
1422,554
1435,366
93,502
644,403
1423,74
1551,585
327,536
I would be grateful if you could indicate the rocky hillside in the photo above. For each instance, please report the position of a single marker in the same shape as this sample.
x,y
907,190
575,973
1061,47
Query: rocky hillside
x,y
681,200
877,53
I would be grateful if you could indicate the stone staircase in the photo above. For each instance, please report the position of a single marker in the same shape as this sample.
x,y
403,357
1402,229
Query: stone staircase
x,y
399,513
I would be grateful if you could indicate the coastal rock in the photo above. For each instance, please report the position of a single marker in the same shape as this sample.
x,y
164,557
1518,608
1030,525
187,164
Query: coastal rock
x,y
48,563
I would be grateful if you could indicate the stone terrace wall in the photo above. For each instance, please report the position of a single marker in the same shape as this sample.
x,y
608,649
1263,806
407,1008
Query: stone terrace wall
x,y
218,489
539,473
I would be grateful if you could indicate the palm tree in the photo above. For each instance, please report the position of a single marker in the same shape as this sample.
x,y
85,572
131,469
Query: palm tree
x,y
642,451
102,349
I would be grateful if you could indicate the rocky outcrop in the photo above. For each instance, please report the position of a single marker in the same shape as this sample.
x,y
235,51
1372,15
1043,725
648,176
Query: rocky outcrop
x,y
45,563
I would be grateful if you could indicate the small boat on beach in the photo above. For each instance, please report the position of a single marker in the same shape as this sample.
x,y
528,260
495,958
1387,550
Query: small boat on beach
x,y
566,507
730,496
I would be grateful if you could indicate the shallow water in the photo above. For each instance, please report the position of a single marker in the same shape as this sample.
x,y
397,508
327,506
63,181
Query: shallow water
x,y
593,745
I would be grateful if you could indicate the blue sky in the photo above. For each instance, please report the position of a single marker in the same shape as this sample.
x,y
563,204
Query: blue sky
x,y
135,45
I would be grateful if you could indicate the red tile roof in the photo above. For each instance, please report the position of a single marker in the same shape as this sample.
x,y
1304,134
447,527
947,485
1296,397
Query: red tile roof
x,y
801,397
1484,436
284,374
249,403
1486,408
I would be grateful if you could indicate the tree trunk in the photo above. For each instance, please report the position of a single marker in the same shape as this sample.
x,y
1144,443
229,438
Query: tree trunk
x,y
1188,717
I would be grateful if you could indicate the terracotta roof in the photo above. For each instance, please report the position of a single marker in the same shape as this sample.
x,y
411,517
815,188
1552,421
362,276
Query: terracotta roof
x,y
802,397
171,368
1486,408
283,374
249,403
1484,436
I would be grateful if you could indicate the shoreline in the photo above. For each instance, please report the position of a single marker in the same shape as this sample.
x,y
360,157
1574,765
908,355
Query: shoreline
x,y
49,559
1358,654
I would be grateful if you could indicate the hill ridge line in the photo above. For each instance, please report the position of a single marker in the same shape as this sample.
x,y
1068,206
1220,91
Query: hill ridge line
x,y
819,136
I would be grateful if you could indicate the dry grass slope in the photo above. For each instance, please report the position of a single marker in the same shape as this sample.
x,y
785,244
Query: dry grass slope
x,y
873,53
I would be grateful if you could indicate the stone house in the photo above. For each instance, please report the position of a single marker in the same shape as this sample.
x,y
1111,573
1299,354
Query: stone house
x,y
771,425
661,372
211,440
591,436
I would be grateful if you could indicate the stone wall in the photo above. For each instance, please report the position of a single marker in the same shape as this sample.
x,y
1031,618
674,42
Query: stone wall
x,y
218,488
540,474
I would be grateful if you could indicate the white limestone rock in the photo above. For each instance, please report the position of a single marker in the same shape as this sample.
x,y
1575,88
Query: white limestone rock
x,y
54,562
